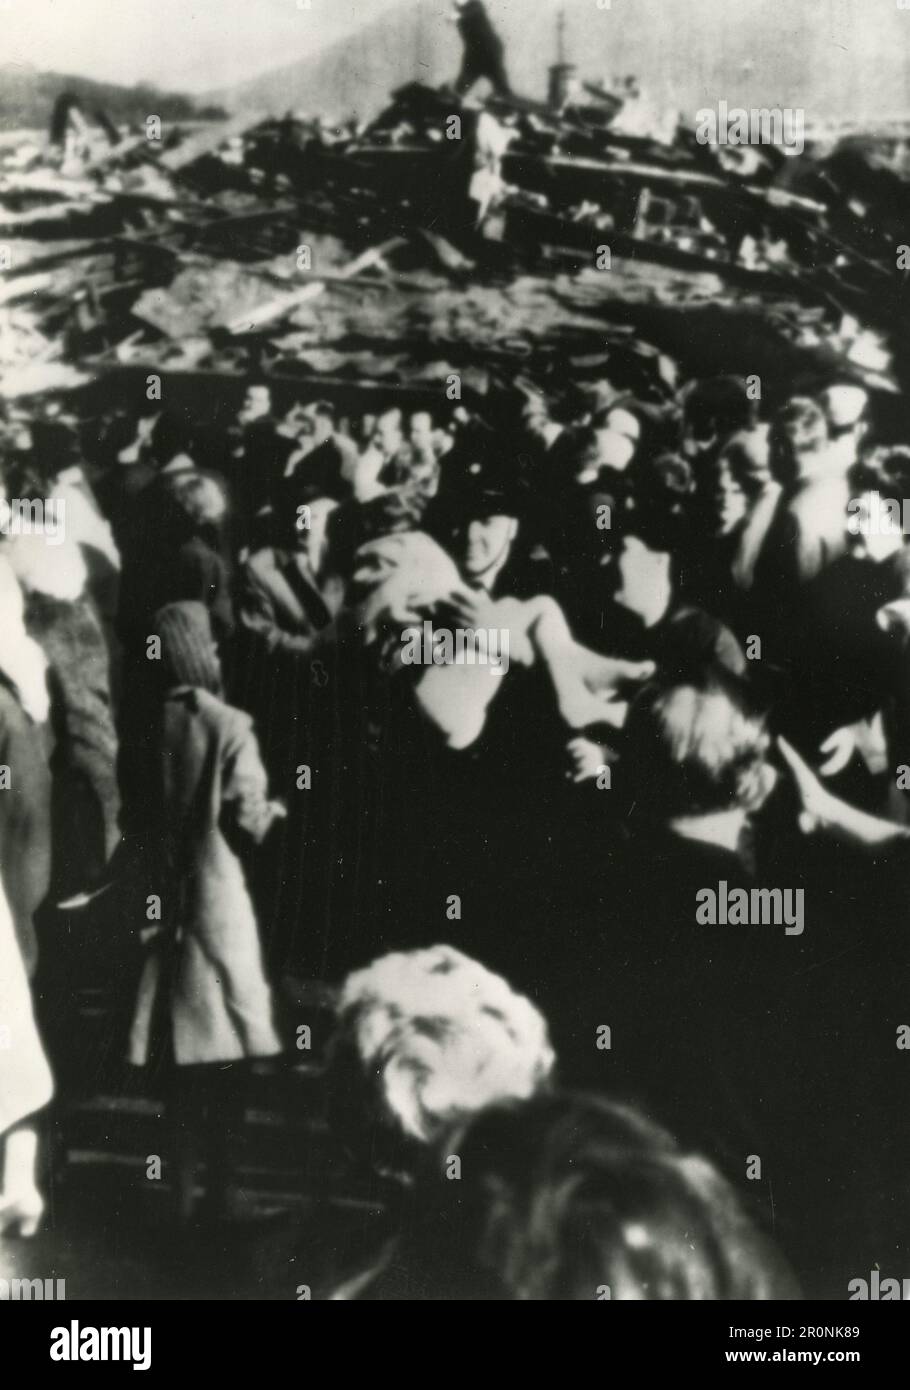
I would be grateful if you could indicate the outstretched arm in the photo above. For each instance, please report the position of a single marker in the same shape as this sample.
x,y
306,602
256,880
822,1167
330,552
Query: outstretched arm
x,y
825,813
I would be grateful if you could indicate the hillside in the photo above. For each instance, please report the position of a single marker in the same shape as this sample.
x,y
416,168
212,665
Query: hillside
x,y
830,59
27,97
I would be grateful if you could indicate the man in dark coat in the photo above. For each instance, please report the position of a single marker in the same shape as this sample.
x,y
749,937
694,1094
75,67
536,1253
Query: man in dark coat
x,y
483,49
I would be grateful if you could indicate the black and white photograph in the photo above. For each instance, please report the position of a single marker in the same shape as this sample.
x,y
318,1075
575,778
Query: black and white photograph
x,y
455,660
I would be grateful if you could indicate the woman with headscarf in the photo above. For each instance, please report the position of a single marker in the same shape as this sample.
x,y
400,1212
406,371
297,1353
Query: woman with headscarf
x,y
203,1007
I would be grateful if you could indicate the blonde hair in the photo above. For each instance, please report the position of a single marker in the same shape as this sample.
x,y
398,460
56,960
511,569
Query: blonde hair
x,y
439,1037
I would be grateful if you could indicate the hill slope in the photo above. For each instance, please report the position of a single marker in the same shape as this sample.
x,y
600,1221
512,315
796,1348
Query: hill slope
x,y
841,57
27,98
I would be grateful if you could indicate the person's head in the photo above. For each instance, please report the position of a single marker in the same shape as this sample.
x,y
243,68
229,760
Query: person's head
x,y
618,432
663,485
591,398
424,1039
846,408
55,446
195,506
536,420
257,403
570,1197
742,472
799,442
295,423
320,422
713,410
388,432
169,438
488,540
584,458
422,431
188,653
879,501
15,430
126,438
696,748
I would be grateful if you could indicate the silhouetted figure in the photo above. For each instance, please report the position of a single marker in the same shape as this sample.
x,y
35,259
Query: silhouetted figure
x,y
483,49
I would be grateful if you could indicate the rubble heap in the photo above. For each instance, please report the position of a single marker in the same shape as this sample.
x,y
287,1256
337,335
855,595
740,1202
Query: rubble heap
x,y
445,237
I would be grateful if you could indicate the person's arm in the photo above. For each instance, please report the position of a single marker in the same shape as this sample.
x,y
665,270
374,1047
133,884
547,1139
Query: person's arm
x,y
245,783
728,654
826,814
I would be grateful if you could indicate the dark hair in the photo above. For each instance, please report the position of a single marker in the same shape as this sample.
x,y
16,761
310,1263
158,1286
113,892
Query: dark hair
x,y
171,435
662,485
718,406
574,1197
885,470
25,479
658,519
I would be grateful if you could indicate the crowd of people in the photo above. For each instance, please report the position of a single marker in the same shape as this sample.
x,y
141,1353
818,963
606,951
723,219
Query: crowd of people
x,y
217,751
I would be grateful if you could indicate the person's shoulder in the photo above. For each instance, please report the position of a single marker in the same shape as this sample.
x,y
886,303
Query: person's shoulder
x,y
346,447
218,711
13,719
225,724
262,562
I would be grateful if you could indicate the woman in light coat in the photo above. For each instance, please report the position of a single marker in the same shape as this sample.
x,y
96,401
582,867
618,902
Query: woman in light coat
x,y
203,1006
26,1085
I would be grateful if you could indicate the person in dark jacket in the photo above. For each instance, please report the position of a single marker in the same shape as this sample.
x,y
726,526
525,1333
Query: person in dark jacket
x,y
483,49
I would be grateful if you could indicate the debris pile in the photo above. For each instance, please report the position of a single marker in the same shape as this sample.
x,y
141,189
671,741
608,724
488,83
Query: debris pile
x,y
444,237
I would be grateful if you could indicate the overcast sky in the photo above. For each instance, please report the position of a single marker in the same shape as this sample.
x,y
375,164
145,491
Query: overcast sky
x,y
190,45
827,55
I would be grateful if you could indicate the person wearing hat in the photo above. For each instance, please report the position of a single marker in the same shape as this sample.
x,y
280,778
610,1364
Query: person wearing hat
x,y
807,533
325,458
846,406
721,576
485,523
483,49
289,600
661,625
203,1007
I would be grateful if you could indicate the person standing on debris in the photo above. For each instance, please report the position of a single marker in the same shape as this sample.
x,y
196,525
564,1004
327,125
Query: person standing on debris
x,y
483,49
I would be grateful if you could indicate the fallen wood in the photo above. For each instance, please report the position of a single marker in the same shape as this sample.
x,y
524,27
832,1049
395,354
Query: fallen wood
x,y
283,305
207,141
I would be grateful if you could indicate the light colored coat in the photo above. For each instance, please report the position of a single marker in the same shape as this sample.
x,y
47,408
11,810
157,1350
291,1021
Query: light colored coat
x,y
206,954
25,1077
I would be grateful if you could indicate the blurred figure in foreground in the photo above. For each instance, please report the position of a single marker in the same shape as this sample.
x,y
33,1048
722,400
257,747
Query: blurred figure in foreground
x,y
575,1198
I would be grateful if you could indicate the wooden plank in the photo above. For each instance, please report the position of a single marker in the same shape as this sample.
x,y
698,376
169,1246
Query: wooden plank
x,y
282,305
208,141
